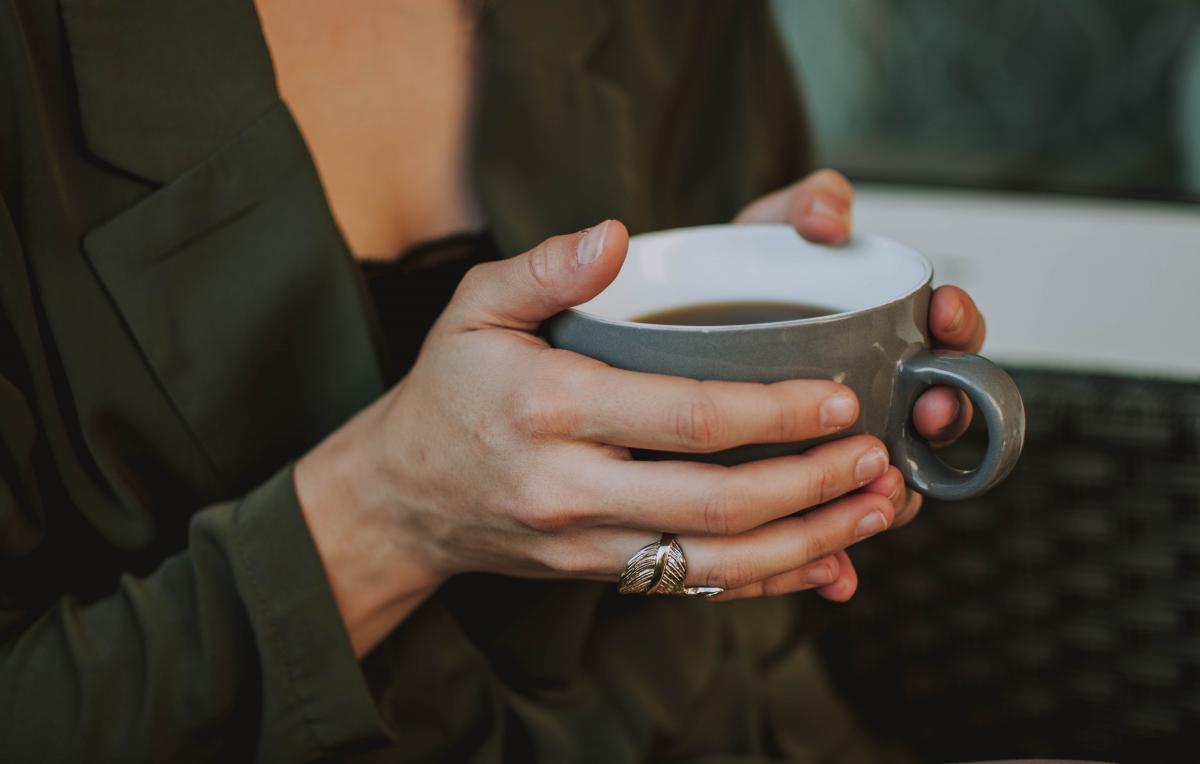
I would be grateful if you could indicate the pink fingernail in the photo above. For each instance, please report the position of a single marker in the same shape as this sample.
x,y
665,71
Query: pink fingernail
x,y
591,243
819,576
870,465
957,319
871,524
838,410
955,412
823,206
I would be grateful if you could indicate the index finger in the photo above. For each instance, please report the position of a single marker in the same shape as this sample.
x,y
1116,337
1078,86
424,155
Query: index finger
x,y
666,413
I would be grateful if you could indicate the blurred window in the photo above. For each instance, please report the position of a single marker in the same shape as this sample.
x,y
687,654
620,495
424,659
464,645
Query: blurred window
x,y
1077,96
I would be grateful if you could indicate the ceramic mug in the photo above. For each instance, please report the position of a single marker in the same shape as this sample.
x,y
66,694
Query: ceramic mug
x,y
877,342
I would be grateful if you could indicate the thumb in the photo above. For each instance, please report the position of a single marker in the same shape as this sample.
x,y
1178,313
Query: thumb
x,y
523,291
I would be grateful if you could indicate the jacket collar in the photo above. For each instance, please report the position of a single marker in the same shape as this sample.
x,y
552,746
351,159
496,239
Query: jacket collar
x,y
163,83
554,128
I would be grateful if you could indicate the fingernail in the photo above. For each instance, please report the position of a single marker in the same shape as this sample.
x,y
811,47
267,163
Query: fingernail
x,y
591,243
955,413
870,465
822,206
829,206
894,496
871,524
819,576
838,410
957,319
826,206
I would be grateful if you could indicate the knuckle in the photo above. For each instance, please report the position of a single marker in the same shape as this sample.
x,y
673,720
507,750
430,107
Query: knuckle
x,y
811,539
810,546
732,574
539,263
544,520
828,482
552,557
786,419
537,509
697,424
822,479
547,557
539,409
571,558
471,282
467,294
725,511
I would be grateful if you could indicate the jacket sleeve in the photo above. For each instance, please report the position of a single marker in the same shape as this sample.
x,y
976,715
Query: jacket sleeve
x,y
230,649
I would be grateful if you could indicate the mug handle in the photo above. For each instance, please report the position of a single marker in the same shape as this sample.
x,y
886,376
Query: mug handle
x,y
995,396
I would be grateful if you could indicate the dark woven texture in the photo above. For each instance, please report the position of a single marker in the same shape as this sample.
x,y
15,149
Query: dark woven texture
x,y
1057,616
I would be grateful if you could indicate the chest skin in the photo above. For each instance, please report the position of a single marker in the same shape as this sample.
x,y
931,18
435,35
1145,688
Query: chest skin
x,y
382,92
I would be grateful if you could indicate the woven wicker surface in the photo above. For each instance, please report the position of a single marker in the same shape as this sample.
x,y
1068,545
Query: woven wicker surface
x,y
1057,616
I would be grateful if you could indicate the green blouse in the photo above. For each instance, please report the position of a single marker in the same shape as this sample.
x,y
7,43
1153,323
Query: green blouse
x,y
180,319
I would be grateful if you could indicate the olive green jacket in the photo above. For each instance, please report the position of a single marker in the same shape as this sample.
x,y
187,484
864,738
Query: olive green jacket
x,y
180,319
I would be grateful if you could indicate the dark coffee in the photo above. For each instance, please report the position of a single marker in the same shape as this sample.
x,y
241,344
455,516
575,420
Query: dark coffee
x,y
732,313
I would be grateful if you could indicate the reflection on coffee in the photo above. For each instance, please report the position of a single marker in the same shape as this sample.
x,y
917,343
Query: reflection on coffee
x,y
733,313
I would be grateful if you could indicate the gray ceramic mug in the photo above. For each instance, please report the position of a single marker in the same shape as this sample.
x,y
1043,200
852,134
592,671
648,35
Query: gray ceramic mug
x,y
877,342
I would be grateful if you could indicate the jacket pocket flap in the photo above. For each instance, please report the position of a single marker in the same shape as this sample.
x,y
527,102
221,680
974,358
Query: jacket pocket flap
x,y
235,283
228,182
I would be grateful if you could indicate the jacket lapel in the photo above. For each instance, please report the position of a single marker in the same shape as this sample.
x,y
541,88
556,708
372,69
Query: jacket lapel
x,y
163,83
236,234
230,274
553,132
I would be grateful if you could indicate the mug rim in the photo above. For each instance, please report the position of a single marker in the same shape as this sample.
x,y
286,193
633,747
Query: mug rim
x,y
926,280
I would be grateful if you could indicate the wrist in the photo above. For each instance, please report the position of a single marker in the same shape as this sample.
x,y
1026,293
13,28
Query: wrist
x,y
373,564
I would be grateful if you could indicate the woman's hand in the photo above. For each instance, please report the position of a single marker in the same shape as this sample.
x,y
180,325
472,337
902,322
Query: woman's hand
x,y
498,453
819,207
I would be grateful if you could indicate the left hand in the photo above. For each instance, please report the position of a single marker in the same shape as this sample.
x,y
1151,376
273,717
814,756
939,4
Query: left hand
x,y
819,206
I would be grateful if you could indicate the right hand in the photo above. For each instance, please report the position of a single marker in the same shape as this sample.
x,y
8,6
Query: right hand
x,y
498,453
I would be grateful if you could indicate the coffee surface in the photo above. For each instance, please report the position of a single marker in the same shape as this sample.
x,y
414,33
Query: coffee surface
x,y
733,313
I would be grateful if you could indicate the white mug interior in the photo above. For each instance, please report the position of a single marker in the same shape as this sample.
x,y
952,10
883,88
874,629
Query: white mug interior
x,y
757,263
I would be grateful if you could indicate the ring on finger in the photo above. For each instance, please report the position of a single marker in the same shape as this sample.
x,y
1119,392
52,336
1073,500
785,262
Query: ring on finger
x,y
660,567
